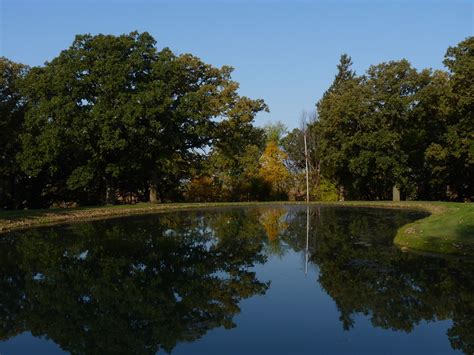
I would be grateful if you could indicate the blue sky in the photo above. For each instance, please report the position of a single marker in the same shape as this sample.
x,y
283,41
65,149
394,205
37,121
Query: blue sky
x,y
283,51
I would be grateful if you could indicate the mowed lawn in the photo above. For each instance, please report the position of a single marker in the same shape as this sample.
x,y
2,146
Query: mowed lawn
x,y
449,229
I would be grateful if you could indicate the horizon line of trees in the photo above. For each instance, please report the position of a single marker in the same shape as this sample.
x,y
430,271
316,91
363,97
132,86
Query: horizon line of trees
x,y
112,119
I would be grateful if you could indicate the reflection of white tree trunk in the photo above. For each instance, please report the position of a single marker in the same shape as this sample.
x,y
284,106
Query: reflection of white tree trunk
x,y
307,242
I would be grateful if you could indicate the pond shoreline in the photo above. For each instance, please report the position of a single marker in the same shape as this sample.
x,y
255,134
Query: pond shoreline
x,y
449,229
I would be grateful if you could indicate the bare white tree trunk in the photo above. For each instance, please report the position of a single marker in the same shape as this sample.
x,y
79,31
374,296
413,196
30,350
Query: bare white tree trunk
x,y
307,169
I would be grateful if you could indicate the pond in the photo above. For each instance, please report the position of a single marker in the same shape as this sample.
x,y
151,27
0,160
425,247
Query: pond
x,y
253,280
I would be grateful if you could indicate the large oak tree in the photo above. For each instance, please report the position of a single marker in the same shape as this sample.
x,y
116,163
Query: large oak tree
x,y
114,112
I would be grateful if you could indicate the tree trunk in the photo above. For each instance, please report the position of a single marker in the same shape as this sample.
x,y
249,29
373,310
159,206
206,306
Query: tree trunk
x,y
341,193
153,187
110,196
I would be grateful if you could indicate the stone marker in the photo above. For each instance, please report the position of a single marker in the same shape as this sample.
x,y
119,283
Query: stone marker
x,y
396,194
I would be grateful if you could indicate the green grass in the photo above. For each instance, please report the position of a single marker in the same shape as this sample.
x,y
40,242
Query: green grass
x,y
449,229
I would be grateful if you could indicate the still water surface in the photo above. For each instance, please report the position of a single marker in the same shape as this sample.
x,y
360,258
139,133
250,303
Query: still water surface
x,y
255,280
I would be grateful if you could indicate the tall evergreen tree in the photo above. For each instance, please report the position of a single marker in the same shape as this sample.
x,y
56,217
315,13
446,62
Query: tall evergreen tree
x,y
340,110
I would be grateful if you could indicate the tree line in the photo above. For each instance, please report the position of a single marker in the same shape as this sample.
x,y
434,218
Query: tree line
x,y
115,119
395,126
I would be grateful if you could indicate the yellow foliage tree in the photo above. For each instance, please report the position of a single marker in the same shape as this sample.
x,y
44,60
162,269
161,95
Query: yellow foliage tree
x,y
273,169
202,189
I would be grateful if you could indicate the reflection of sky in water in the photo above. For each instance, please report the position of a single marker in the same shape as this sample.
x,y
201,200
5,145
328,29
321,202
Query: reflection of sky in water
x,y
26,343
296,316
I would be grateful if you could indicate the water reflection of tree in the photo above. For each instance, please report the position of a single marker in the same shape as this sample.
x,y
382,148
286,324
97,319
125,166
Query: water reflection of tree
x,y
141,284
365,274
131,286
275,224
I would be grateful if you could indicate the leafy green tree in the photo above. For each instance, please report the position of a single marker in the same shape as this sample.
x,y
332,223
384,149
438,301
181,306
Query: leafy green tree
x,y
340,110
211,95
379,161
113,112
423,133
236,177
233,165
85,114
458,149
385,129
274,132
321,187
12,110
293,145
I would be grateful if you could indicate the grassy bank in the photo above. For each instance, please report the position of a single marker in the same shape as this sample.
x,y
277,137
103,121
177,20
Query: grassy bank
x,y
449,228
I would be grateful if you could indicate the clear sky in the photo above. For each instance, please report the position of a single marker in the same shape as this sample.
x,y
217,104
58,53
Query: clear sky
x,y
283,51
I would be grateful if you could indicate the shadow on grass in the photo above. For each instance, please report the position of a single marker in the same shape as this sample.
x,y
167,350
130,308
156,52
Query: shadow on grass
x,y
466,231
459,246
